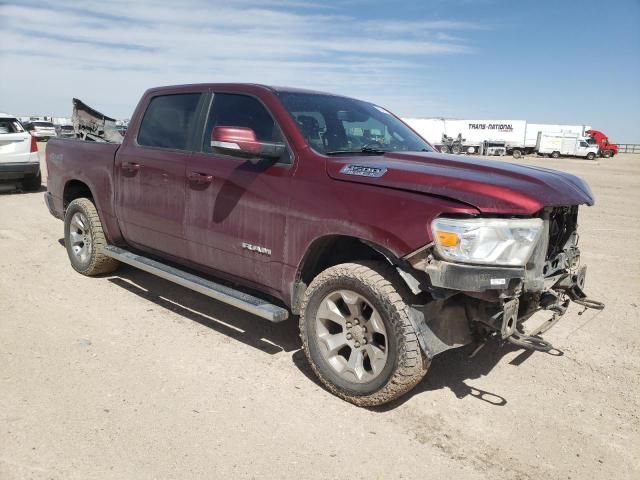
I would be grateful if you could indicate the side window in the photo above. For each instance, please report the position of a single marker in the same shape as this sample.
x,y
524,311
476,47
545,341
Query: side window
x,y
168,121
235,110
10,125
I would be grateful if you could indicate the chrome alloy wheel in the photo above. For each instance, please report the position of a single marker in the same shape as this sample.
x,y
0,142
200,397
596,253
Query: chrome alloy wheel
x,y
352,336
80,237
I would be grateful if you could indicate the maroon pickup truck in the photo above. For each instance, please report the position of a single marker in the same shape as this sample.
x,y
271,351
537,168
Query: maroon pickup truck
x,y
279,201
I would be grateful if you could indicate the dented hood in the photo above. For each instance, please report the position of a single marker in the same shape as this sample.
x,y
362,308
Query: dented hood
x,y
489,186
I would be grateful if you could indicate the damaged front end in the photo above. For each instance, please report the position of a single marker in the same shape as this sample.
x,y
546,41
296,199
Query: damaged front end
x,y
494,296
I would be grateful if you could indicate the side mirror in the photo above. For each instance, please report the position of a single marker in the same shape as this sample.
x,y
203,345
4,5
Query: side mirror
x,y
241,141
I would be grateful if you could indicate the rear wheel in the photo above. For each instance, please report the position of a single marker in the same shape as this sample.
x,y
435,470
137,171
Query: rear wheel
x,y
555,154
32,183
516,153
357,335
85,239
456,149
444,149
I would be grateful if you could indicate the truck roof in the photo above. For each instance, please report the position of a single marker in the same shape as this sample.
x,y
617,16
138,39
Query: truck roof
x,y
272,88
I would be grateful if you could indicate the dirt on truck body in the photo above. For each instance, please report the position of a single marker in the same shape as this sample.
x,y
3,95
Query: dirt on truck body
x,y
281,201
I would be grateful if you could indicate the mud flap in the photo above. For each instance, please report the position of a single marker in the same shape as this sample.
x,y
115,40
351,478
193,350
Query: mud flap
x,y
440,326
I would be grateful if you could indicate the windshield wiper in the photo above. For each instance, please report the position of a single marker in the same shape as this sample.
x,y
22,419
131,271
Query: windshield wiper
x,y
372,150
362,150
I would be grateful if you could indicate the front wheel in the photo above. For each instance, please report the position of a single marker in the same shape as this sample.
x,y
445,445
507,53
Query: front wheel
x,y
591,156
516,153
607,154
357,335
85,239
555,155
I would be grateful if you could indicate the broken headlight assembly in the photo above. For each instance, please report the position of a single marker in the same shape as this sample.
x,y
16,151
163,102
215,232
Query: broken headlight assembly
x,y
487,241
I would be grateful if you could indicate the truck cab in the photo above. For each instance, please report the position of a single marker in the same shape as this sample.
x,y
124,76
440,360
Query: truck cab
x,y
598,138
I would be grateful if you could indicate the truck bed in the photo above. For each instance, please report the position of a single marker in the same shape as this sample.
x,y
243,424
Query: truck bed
x,y
71,162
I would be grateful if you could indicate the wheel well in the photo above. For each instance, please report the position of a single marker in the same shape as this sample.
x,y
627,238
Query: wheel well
x,y
327,252
75,189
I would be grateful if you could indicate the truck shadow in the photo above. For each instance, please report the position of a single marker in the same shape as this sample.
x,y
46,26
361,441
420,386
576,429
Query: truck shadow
x,y
450,369
244,327
16,188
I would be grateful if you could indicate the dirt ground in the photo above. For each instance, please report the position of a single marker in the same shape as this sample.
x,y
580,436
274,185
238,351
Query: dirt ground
x,y
129,376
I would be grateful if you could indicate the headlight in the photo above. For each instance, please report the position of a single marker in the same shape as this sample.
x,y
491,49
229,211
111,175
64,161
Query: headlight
x,y
487,241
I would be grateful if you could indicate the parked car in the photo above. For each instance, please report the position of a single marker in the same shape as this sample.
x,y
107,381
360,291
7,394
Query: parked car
x,y
565,144
19,159
332,209
65,131
42,131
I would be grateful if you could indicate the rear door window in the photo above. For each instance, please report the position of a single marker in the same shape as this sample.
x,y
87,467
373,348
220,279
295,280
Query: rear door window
x,y
168,121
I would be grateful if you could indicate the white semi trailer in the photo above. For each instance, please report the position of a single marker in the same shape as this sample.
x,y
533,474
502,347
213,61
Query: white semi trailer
x,y
519,136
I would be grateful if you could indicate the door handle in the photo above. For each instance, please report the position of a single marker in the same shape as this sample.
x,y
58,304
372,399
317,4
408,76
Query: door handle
x,y
200,178
130,166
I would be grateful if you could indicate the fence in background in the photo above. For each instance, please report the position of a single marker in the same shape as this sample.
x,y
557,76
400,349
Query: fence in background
x,y
628,147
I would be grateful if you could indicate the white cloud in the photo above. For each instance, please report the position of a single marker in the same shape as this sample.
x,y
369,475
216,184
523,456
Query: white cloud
x,y
107,53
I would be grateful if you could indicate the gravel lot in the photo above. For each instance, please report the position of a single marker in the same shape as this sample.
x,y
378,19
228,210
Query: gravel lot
x,y
129,376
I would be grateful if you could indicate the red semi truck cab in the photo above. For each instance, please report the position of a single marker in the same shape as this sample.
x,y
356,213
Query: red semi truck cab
x,y
606,149
283,201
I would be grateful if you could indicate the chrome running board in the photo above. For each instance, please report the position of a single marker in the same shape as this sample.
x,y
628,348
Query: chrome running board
x,y
222,293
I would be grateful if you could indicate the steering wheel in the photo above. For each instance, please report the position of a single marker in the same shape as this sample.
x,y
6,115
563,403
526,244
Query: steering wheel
x,y
372,145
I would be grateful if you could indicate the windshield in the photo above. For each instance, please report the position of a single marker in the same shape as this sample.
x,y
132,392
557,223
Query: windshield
x,y
333,125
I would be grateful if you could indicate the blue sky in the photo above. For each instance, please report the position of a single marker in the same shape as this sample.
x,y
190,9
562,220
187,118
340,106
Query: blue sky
x,y
544,61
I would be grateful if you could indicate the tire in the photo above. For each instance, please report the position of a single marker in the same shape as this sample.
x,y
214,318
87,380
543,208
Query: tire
x,y
456,149
374,292
607,154
591,156
555,155
516,154
444,149
84,239
32,183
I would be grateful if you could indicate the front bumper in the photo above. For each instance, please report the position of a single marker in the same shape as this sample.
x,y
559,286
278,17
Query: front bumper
x,y
17,171
474,302
473,278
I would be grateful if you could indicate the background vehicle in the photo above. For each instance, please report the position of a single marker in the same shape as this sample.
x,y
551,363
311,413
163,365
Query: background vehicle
x,y
457,145
598,138
65,131
494,148
18,154
565,144
332,209
519,136
42,131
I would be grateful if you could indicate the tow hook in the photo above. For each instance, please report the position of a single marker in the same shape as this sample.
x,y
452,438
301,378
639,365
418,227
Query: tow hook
x,y
533,341
577,295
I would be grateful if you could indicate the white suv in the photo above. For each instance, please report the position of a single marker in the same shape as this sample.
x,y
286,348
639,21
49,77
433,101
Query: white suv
x,y
18,154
